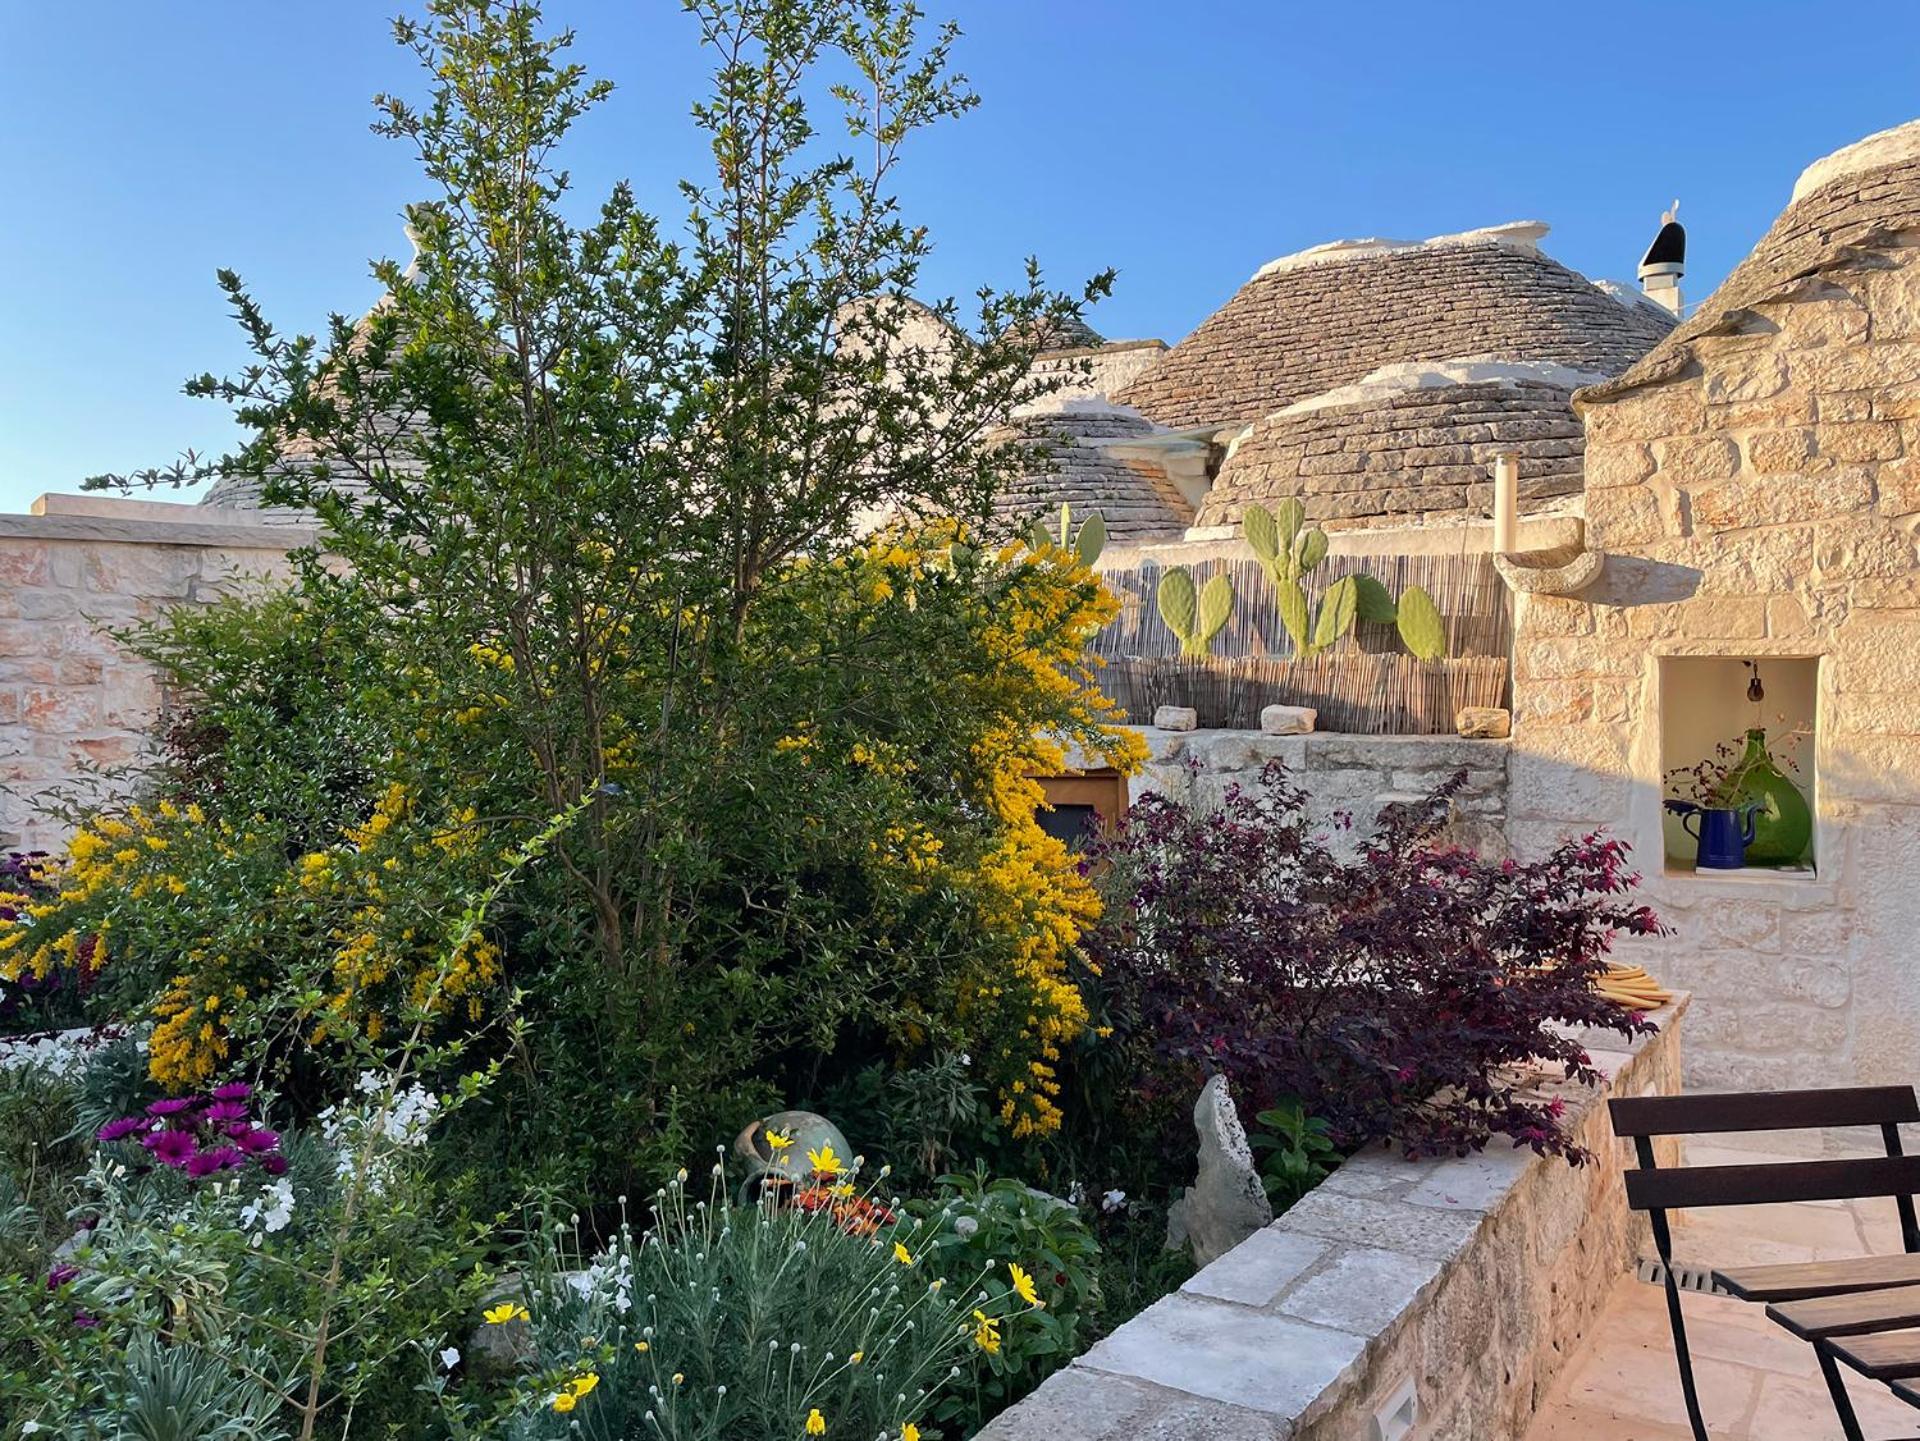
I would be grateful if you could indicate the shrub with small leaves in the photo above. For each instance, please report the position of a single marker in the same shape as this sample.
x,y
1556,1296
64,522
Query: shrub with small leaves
x,y
1400,988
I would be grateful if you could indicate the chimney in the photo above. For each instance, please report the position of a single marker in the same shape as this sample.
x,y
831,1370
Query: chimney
x,y
1664,263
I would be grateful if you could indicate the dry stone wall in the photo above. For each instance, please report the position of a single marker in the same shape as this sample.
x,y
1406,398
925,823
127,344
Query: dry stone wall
x,y
74,705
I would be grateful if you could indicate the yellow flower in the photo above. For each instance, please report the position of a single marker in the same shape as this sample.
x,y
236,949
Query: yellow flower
x,y
816,1423
902,1254
1023,1285
824,1162
986,1333
678,1377
779,1140
565,1401
856,1358
500,1315
642,1347
909,1432
584,1383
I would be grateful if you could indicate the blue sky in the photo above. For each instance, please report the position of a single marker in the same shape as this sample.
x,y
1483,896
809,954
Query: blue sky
x,y
144,145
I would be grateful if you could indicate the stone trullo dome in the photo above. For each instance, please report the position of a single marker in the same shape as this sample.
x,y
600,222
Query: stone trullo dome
x,y
1326,317
1411,441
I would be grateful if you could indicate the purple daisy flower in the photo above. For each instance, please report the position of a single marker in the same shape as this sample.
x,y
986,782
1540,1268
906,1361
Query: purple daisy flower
x,y
223,1113
124,1127
60,1275
232,1091
85,1319
170,1148
258,1142
274,1164
175,1106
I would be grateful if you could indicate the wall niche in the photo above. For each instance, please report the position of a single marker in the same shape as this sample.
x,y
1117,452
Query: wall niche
x,y
1754,716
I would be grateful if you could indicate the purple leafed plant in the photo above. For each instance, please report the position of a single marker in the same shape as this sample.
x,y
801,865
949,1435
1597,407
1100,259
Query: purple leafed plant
x,y
1398,990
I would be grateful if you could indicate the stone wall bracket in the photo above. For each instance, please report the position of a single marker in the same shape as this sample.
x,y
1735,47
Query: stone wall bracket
x,y
1561,571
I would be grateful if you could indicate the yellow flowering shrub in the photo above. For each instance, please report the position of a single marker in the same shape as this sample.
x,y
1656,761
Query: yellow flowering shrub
x,y
206,927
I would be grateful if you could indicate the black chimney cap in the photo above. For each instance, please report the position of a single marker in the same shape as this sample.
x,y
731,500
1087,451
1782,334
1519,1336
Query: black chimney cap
x,y
1670,245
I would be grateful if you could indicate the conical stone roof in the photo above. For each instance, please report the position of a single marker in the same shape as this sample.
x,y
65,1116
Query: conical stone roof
x,y
1410,442
1859,199
1329,316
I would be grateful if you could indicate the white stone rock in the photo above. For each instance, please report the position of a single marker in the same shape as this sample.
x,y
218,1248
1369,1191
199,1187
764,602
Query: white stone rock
x,y
1176,718
1226,1203
1288,720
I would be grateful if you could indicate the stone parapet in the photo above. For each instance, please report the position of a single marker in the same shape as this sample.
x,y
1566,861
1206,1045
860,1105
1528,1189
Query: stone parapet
x,y
1463,1283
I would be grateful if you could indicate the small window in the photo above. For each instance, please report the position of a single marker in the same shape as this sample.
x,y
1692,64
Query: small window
x,y
1080,807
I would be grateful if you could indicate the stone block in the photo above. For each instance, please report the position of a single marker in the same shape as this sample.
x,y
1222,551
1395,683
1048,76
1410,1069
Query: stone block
x,y
1362,1290
1609,467
1175,718
1383,1224
1622,519
1776,452
1483,722
1724,618
1259,1268
1227,1353
1288,720
1859,440
1696,460
1782,499
1851,549
1078,1402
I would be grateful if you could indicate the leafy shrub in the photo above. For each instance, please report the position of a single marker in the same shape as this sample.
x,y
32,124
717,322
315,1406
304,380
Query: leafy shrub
x,y
978,1225
1295,1151
771,1318
1395,991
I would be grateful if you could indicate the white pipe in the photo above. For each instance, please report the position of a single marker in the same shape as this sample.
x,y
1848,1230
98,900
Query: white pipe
x,y
1506,504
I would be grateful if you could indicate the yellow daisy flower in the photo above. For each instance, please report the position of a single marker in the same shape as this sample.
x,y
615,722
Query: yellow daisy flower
x,y
500,1315
1023,1285
816,1423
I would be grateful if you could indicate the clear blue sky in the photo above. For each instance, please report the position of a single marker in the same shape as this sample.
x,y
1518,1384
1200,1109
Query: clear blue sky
x,y
1184,142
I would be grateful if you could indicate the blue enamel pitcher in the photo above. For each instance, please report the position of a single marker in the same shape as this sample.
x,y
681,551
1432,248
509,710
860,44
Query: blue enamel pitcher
x,y
1723,833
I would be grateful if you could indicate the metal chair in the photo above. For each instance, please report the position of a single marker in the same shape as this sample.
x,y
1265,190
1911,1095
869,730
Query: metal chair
x,y
1657,1191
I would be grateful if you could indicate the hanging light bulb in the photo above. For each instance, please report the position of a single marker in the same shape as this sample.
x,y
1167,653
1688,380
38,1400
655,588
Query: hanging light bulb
x,y
1755,691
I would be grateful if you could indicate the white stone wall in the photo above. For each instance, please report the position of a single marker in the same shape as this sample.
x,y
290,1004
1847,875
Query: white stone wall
x,y
1351,774
74,706
1758,496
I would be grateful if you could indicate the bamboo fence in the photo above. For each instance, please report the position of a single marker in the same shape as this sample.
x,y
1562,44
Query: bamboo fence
x,y
1366,683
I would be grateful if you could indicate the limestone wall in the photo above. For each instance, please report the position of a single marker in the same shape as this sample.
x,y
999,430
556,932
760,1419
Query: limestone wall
x,y
1356,774
1455,1288
1757,490
74,706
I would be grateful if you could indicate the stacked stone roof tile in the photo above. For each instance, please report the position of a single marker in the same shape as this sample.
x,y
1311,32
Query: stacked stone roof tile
x,y
1299,330
1419,453
1135,496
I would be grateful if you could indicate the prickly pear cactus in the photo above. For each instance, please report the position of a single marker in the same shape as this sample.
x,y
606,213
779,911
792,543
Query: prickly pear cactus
x,y
1375,600
1091,540
1216,606
1337,609
1422,629
1310,549
1179,606
1263,535
1294,614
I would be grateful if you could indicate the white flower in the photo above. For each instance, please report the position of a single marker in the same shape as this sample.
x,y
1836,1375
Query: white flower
x,y
450,1357
1113,1201
271,1210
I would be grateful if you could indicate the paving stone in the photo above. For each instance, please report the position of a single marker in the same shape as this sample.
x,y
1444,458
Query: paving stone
x,y
1388,1225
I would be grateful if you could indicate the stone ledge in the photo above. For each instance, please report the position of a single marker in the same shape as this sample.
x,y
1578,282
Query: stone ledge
x,y
239,535
1472,1275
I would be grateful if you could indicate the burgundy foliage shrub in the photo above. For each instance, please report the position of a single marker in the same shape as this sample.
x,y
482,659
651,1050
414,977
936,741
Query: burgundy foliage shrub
x,y
1396,990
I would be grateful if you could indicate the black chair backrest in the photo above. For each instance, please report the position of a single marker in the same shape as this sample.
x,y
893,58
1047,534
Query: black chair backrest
x,y
1888,1107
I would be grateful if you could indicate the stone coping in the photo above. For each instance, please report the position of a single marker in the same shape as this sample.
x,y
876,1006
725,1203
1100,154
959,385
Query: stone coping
x,y
1457,1282
224,535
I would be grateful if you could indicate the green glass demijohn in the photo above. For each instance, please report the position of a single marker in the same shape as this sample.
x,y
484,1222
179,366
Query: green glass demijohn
x,y
1783,822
